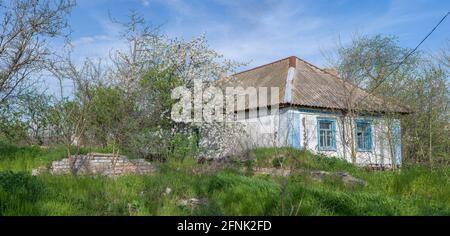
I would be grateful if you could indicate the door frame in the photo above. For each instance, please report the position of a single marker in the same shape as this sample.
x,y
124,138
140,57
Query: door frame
x,y
294,128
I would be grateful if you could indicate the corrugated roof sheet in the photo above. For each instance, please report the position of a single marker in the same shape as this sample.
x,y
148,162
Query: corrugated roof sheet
x,y
312,87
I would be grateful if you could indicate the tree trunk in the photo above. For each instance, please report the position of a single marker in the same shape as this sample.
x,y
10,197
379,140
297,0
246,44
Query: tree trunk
x,y
430,137
430,143
391,147
352,141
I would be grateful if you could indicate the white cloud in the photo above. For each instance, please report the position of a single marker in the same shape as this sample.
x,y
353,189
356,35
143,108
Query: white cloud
x,y
398,13
100,45
145,2
261,31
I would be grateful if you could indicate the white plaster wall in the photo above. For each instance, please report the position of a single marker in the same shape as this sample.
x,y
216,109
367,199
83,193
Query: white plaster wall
x,y
272,130
380,153
282,132
261,130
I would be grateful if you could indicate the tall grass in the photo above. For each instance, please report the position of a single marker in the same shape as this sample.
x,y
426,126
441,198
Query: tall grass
x,y
413,191
26,158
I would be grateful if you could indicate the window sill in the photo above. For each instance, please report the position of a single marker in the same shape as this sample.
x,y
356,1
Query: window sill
x,y
362,150
327,149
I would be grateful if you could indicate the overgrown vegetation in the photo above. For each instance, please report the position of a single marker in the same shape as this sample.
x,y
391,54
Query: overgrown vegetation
x,y
124,106
413,191
126,102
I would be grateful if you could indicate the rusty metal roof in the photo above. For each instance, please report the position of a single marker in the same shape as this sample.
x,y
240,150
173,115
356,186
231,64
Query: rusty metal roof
x,y
311,87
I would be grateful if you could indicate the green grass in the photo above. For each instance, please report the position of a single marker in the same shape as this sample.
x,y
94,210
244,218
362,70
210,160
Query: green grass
x,y
26,158
413,191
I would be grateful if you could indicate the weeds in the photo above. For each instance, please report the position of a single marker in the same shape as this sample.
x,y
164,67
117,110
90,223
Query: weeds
x,y
413,191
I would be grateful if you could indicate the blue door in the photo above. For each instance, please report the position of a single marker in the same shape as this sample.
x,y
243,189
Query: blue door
x,y
294,129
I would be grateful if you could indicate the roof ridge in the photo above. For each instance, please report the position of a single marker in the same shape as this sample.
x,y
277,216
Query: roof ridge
x,y
335,76
258,67
324,71
286,58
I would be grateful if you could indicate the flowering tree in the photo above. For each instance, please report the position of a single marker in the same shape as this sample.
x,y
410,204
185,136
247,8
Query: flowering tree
x,y
149,67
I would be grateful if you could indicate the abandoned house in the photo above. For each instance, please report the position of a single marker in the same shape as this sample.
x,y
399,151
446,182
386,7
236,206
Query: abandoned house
x,y
318,111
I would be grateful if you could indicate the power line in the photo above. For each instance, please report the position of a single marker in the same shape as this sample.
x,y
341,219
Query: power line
x,y
410,53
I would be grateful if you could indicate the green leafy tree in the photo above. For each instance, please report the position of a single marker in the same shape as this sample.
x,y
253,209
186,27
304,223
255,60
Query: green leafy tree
x,y
420,83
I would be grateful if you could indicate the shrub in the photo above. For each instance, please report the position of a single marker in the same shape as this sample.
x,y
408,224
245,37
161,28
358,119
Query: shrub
x,y
20,183
18,192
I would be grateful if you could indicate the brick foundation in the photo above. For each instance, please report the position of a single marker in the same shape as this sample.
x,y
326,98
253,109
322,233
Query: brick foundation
x,y
101,164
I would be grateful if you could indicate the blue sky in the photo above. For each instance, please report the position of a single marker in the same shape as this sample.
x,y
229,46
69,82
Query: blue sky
x,y
261,31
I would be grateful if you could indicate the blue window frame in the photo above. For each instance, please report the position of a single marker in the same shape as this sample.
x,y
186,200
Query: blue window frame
x,y
326,134
363,135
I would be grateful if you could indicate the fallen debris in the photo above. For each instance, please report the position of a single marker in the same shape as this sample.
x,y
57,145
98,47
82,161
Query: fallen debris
x,y
192,202
39,170
318,175
167,191
98,164
345,177
272,171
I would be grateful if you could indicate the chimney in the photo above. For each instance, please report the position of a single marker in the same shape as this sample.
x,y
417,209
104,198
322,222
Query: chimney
x,y
292,62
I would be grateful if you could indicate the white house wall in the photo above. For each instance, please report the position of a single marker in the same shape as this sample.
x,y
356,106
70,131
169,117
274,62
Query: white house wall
x,y
380,146
261,130
272,130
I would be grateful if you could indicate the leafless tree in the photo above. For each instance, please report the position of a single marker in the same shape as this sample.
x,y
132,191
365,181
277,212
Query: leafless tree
x,y
365,90
71,109
26,28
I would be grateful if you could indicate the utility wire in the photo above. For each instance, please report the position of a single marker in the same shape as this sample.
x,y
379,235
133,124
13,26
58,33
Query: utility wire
x,y
409,54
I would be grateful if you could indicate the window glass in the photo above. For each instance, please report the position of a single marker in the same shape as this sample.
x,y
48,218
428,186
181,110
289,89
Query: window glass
x,y
363,136
326,135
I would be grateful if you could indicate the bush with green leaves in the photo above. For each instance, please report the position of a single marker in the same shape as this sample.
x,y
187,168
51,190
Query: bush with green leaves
x,y
18,189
